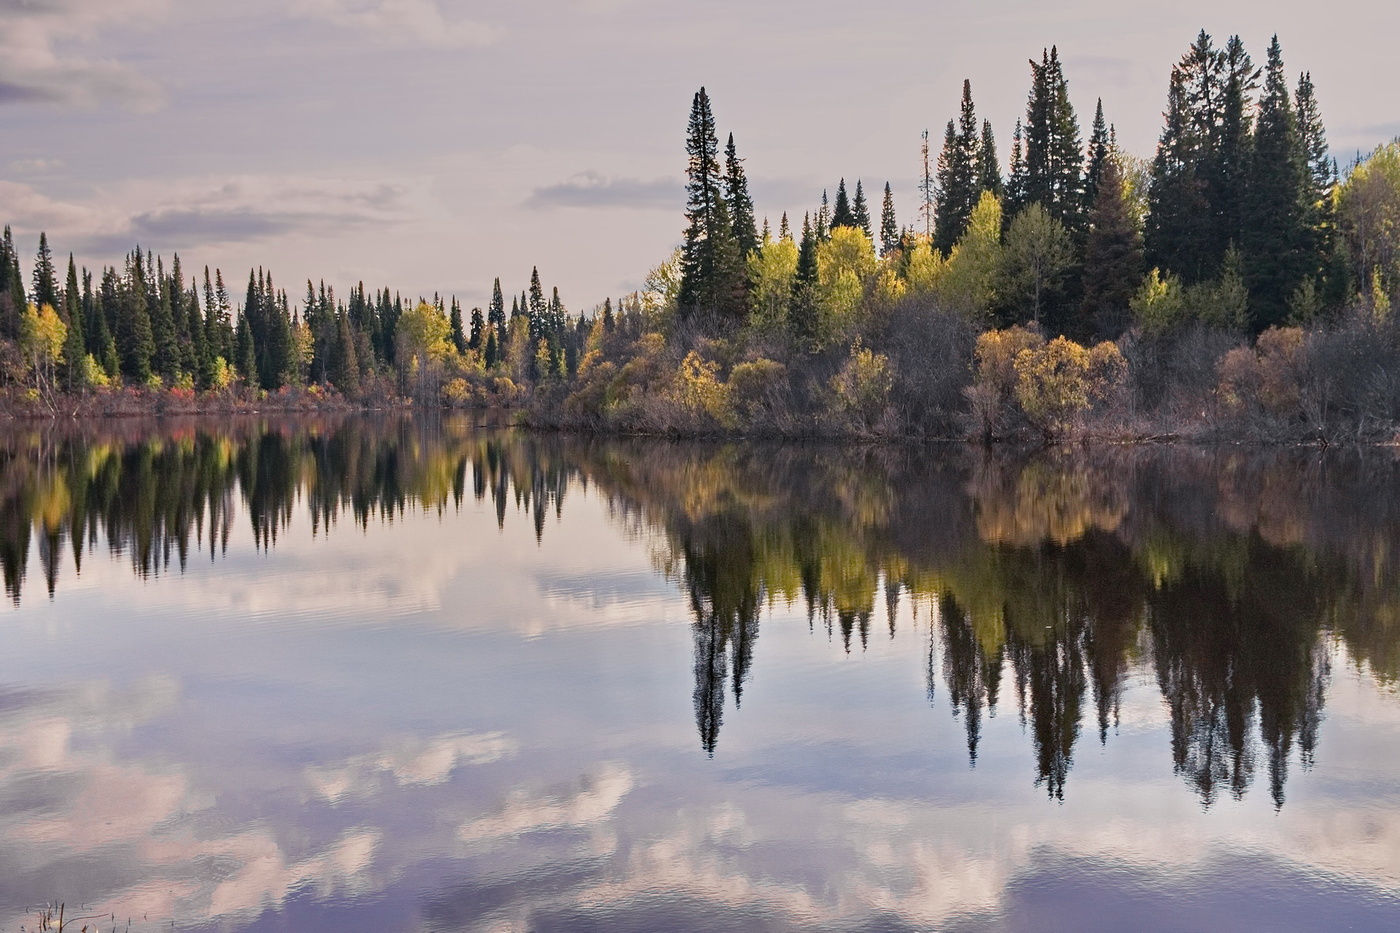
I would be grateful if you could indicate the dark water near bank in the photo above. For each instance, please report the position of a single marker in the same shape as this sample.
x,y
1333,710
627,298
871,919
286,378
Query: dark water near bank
x,y
406,675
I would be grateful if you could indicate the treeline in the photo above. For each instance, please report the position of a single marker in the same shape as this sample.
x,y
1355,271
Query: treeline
x,y
144,324
1084,289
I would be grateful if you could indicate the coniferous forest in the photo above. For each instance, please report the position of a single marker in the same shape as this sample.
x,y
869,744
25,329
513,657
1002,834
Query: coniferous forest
x,y
1239,282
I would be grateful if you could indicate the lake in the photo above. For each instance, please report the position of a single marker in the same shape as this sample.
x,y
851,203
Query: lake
x,y
398,674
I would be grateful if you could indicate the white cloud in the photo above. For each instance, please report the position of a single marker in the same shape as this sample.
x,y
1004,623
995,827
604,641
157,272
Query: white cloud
x,y
411,762
35,66
420,21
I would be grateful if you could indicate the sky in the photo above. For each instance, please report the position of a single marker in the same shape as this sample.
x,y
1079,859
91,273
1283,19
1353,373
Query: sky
x,y
432,145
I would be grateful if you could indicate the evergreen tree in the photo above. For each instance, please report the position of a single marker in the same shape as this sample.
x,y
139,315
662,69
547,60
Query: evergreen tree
x,y
167,355
1112,256
736,192
493,353
459,335
478,324
785,231
958,183
12,296
1275,237
134,338
1053,158
538,310
889,227
75,344
841,213
712,268
1320,179
860,211
1016,193
1229,166
1098,156
988,165
802,312
496,311
45,277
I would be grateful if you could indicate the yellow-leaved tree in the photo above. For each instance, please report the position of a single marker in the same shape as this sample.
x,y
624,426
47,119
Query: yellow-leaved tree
x,y
968,283
772,268
845,262
41,337
420,346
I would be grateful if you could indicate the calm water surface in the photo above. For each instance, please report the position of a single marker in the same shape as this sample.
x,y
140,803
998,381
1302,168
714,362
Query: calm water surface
x,y
387,674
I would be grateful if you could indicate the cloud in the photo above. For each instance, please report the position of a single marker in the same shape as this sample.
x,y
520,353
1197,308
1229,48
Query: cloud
x,y
591,189
32,71
591,803
411,763
420,21
199,211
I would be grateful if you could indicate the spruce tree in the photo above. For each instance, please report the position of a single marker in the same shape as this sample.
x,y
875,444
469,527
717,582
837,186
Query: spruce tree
x,y
736,193
538,310
841,214
802,312
1274,240
1318,217
45,277
712,268
958,188
496,311
1098,156
75,344
860,211
478,325
988,165
1179,233
134,337
1053,158
456,327
1016,177
1112,256
889,227
12,296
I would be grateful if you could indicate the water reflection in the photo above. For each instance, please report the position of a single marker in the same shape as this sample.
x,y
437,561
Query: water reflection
x,y
1048,582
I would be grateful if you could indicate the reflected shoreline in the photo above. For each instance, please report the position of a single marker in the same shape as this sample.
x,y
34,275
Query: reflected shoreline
x,y
1048,579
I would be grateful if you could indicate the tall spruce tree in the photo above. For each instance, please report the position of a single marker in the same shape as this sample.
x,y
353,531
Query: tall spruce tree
x,y
736,193
45,277
1054,159
958,182
988,164
134,338
1098,155
75,344
1275,239
1112,255
841,213
12,295
712,268
860,211
1016,181
1320,179
889,226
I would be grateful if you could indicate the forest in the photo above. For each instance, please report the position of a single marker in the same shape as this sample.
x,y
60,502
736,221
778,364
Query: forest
x,y
1239,283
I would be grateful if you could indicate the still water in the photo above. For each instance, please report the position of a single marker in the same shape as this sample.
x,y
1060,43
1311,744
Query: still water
x,y
398,675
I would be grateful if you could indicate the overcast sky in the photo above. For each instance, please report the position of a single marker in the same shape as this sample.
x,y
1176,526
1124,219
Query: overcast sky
x,y
430,145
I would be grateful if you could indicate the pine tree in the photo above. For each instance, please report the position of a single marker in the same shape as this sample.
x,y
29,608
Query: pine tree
x,y
1274,240
988,165
736,193
45,276
712,268
889,227
1112,256
841,213
958,188
860,211
1053,159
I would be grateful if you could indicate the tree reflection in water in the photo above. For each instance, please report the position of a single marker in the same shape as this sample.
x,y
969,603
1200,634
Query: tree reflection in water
x,y
1229,575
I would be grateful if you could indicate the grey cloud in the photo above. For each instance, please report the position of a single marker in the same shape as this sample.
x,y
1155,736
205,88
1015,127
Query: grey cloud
x,y
590,189
419,21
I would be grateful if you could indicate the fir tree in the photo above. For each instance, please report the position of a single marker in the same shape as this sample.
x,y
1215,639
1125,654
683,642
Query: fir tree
x,y
1275,237
841,213
860,211
712,269
75,344
459,335
1112,256
988,165
478,325
45,277
889,227
958,188
1098,156
736,193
